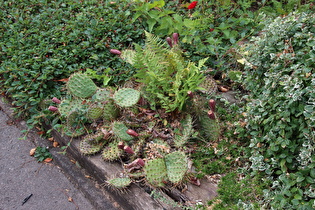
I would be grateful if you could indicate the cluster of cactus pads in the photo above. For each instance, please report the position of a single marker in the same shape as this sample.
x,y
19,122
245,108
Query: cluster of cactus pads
x,y
151,143
126,131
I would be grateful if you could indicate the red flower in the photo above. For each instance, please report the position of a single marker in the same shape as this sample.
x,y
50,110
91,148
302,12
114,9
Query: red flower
x,y
192,5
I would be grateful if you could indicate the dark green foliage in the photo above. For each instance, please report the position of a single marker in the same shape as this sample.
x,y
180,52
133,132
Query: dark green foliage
x,y
41,153
45,41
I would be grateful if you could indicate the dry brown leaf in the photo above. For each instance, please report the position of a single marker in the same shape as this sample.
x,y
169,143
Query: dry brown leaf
x,y
223,89
51,139
48,160
55,144
32,151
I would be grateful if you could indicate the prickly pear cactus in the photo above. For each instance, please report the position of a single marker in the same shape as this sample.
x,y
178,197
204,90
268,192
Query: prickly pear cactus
x,y
209,85
94,138
155,171
101,95
186,131
110,111
87,147
112,152
119,183
67,106
119,129
137,147
126,97
209,128
74,128
176,165
80,85
94,112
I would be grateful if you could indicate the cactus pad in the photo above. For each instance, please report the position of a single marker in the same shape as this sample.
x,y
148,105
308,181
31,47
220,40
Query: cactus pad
x,y
94,138
80,85
209,85
88,148
112,152
185,133
119,129
67,106
209,128
94,112
176,165
74,128
126,97
110,111
119,183
155,171
101,95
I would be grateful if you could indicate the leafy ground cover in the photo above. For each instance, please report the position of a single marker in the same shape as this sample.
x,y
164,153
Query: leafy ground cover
x,y
265,148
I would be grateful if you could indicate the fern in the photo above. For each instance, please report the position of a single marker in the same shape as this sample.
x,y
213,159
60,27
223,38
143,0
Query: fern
x,y
164,72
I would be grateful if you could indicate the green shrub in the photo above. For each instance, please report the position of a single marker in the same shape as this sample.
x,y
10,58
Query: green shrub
x,y
280,74
43,42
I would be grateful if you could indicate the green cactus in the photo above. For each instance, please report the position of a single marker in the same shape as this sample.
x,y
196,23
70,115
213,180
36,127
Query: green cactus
x,y
119,129
94,112
137,147
187,130
110,111
119,183
126,97
74,127
176,165
74,132
94,138
101,95
112,152
80,85
67,106
155,171
209,86
87,147
209,128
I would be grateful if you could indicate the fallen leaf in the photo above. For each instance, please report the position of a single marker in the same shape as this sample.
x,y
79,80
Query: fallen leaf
x,y
223,89
48,160
51,139
55,144
32,151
